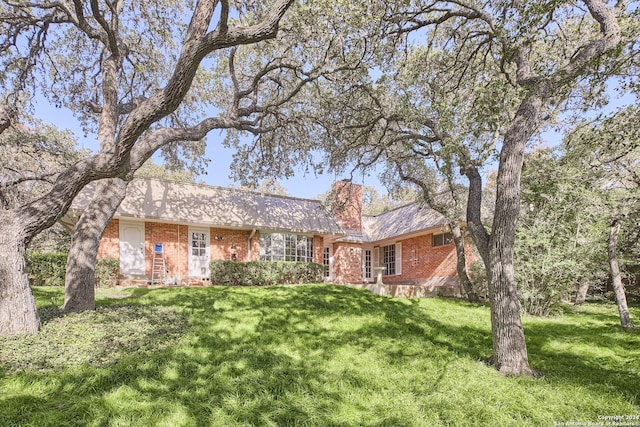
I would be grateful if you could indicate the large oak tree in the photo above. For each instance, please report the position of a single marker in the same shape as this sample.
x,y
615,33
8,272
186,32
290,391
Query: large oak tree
x,y
487,76
111,38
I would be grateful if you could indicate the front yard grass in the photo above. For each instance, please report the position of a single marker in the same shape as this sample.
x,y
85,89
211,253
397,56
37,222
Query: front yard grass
x,y
316,355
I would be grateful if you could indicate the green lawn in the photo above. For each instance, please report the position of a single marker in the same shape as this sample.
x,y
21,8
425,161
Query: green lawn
x,y
307,355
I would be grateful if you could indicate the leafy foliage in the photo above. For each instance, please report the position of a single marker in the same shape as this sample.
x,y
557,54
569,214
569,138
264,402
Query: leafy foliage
x,y
46,269
107,272
30,159
179,173
49,268
259,273
91,338
561,237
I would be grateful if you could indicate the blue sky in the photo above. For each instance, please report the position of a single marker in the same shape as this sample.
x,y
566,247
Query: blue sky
x,y
301,185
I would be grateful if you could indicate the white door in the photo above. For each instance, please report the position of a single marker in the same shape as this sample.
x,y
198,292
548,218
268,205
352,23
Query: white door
x,y
367,265
199,253
132,248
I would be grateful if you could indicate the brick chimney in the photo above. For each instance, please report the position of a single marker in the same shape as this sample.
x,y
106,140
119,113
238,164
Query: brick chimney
x,y
346,200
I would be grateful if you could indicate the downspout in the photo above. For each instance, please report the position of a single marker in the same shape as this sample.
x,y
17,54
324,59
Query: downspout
x,y
253,232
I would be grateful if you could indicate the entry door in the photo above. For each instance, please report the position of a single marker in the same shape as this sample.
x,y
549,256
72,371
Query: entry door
x,y
132,248
199,253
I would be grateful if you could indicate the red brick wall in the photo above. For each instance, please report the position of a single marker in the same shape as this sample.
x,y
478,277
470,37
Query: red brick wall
x,y
175,239
347,263
420,260
348,200
110,243
255,247
175,252
233,242
318,247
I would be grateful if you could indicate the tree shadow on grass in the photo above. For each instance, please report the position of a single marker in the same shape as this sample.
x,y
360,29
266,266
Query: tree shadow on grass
x,y
275,356
592,353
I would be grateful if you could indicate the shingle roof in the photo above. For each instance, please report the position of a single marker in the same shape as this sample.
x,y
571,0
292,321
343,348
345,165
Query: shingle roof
x,y
400,221
218,207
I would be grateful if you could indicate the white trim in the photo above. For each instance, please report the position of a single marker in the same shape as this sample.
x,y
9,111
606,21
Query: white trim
x,y
398,259
376,257
331,274
125,247
370,277
205,271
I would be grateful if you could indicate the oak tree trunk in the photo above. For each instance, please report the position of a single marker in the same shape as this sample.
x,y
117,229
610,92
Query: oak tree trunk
x,y
18,313
497,249
616,278
80,279
509,348
581,293
461,264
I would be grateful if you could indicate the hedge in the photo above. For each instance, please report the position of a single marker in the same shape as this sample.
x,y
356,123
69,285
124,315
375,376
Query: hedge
x,y
48,269
265,273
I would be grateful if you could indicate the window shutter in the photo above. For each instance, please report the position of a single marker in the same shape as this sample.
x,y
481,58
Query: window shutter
x,y
376,257
398,259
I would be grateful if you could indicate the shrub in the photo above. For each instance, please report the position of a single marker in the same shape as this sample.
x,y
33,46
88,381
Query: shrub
x,y
48,269
263,273
107,272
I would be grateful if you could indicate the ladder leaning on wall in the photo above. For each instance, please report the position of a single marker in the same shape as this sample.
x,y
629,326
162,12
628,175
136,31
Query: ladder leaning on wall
x,y
159,268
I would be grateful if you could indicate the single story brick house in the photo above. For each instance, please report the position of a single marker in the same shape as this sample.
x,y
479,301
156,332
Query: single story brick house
x,y
192,224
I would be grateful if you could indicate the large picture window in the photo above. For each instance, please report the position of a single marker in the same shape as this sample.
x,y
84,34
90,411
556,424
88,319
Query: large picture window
x,y
286,247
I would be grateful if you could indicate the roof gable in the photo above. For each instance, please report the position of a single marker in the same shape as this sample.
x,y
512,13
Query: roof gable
x,y
408,219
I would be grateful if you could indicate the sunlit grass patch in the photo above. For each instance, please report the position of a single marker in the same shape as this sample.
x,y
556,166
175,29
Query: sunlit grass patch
x,y
318,355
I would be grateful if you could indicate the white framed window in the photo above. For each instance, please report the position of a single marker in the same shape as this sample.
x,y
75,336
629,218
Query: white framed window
x,y
286,247
442,239
389,260
392,259
368,275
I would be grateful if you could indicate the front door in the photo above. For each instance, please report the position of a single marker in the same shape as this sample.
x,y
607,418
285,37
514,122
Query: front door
x,y
132,248
199,253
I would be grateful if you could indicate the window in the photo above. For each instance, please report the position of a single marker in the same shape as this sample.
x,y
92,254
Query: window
x,y
325,261
290,247
198,244
389,259
286,247
442,239
367,264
